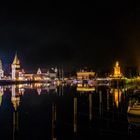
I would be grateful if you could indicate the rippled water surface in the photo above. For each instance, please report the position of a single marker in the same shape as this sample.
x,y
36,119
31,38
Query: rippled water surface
x,y
39,111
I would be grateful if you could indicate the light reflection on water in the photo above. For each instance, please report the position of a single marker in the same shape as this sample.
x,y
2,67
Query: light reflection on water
x,y
40,111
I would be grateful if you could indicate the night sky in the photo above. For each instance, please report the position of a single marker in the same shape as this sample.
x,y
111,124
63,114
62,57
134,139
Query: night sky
x,y
70,35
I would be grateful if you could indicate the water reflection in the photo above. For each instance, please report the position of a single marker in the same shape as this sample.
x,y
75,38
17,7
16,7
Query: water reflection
x,y
117,96
75,115
55,112
134,112
1,94
90,107
85,88
15,99
54,122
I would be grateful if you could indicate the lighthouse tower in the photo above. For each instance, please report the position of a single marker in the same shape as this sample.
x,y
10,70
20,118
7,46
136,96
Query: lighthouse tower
x,y
15,68
117,71
1,70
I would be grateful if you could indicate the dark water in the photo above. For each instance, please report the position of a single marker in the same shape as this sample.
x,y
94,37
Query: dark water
x,y
39,112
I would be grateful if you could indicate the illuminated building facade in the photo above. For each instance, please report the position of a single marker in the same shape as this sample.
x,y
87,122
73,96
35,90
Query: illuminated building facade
x,y
117,71
15,68
41,75
39,71
85,75
1,70
52,73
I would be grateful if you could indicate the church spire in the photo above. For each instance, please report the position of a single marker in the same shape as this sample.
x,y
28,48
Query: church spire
x,y
16,60
15,68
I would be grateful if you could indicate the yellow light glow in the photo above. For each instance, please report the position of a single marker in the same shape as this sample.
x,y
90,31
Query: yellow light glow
x,y
15,101
85,75
117,96
79,85
16,60
85,89
117,71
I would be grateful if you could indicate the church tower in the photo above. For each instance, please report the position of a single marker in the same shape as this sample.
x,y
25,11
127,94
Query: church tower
x,y
15,68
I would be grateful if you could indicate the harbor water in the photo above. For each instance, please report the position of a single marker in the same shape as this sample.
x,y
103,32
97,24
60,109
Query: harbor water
x,y
50,112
